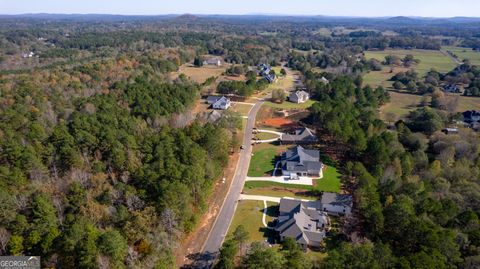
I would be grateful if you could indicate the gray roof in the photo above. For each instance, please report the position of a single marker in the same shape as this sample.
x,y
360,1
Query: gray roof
x,y
337,199
222,101
300,159
298,94
212,99
301,220
304,135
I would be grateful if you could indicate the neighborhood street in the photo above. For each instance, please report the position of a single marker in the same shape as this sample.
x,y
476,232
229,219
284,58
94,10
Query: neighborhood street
x,y
225,216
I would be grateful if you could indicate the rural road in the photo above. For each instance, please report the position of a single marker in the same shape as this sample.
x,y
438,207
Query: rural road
x,y
457,61
225,216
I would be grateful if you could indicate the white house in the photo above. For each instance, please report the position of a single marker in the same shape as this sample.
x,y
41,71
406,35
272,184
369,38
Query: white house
x,y
219,102
213,61
299,97
338,204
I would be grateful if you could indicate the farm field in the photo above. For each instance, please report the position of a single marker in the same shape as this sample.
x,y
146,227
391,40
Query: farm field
x,y
263,159
382,78
428,59
199,74
249,214
402,103
464,53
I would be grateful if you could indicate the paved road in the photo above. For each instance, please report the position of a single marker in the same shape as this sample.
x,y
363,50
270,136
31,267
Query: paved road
x,y
225,216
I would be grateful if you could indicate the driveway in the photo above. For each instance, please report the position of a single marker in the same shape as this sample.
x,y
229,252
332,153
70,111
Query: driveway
x,y
285,180
268,140
259,198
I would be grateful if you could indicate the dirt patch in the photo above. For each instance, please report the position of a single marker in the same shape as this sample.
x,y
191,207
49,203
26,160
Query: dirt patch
x,y
192,243
282,123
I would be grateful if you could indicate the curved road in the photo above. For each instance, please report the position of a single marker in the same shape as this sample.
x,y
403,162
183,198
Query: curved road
x,y
220,227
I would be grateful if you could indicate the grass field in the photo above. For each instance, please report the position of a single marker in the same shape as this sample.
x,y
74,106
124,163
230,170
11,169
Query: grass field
x,y
249,214
199,74
428,59
263,159
464,53
241,108
290,105
402,103
381,78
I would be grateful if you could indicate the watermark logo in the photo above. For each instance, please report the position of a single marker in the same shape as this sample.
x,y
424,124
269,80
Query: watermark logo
x,y
19,262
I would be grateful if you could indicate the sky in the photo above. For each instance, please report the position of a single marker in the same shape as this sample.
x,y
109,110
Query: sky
x,y
360,8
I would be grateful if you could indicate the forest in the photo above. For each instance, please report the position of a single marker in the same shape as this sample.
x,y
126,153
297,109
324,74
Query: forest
x,y
100,168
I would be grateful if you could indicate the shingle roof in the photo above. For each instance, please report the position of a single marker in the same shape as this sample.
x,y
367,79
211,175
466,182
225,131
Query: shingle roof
x,y
300,135
212,99
301,220
337,199
300,159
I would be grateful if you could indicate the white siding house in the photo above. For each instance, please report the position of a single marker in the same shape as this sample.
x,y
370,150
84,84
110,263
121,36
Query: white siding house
x,y
299,97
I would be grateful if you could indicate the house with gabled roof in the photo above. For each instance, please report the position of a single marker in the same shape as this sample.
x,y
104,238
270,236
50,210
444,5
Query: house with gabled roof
x,y
219,102
301,162
334,203
300,136
303,221
299,97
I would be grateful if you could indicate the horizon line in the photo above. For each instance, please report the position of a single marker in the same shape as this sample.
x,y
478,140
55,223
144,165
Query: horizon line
x,y
244,14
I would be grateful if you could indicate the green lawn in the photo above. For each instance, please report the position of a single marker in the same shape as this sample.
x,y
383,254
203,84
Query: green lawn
x,y
265,136
278,191
329,183
428,59
264,184
249,214
263,159
464,53
290,105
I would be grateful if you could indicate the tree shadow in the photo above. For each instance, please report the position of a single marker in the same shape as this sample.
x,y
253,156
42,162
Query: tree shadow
x,y
269,234
200,260
272,211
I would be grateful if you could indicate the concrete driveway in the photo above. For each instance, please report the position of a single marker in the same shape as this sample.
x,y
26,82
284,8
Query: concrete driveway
x,y
285,180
